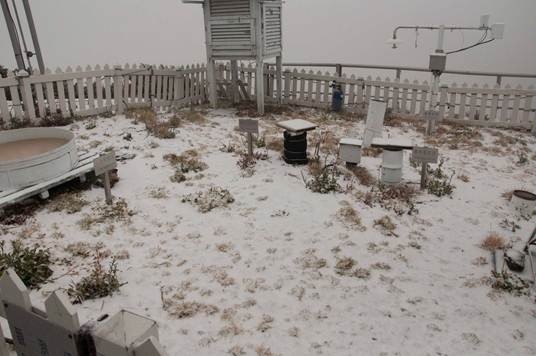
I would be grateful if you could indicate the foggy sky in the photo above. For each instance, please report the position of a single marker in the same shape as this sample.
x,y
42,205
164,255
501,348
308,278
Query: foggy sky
x,y
82,32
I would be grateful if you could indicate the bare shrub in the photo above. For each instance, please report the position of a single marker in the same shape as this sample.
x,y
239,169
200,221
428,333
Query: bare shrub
x,y
210,199
155,126
186,162
493,242
187,117
363,176
183,310
117,212
67,202
348,215
386,224
398,198
100,283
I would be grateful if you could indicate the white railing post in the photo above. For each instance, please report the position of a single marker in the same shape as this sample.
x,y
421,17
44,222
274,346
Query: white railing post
x,y
118,96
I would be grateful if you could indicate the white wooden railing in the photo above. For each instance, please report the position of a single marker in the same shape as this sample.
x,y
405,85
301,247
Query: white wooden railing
x,y
114,89
467,104
99,90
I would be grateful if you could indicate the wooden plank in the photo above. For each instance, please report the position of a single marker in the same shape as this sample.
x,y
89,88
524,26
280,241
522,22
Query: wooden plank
x,y
351,92
98,88
90,90
80,91
147,88
108,92
413,104
452,101
528,107
494,105
483,105
360,89
396,96
377,89
70,93
16,103
442,101
327,95
386,93
463,102
472,102
29,108
504,105
309,97
516,105
62,102
301,97
294,96
133,85
423,98
286,92
318,94
368,89
4,109
404,103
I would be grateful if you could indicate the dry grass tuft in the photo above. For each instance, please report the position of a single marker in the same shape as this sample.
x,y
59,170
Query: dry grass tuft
x,y
186,162
275,144
183,310
371,152
67,202
348,215
310,261
385,223
508,195
456,137
155,126
493,242
187,117
363,176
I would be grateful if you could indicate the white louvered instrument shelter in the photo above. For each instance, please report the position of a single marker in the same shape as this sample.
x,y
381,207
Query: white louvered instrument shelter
x,y
242,30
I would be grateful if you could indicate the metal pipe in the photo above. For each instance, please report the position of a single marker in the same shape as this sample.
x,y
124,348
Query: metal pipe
x,y
23,39
35,39
409,69
13,36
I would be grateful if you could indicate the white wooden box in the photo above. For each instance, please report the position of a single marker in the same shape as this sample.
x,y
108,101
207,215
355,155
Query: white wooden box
x,y
350,150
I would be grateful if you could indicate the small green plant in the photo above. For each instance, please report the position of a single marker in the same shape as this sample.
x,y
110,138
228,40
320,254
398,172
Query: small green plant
x,y
261,141
32,264
325,181
100,283
439,183
504,281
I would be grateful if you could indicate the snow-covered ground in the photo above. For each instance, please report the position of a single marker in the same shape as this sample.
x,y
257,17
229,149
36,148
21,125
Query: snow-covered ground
x,y
261,272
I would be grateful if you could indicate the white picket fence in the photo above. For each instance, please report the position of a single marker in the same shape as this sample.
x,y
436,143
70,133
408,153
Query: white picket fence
x,y
474,105
115,89
57,330
99,90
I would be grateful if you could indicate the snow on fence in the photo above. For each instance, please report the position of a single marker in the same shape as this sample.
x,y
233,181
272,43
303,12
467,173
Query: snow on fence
x,y
114,89
57,330
99,90
474,105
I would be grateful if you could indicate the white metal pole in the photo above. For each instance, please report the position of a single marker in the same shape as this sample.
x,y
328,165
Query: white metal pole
x,y
12,30
33,32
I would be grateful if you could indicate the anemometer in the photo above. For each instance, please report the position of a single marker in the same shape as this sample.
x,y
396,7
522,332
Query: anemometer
x,y
438,59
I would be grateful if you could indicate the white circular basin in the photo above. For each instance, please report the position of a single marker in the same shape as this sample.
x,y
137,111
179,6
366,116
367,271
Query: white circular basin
x,y
33,155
